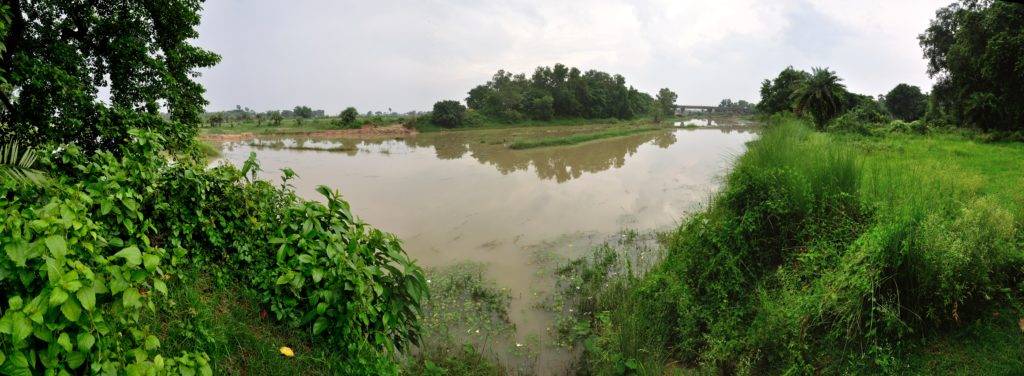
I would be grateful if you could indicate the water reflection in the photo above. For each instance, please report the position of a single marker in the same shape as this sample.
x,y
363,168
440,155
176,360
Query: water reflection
x,y
459,196
559,163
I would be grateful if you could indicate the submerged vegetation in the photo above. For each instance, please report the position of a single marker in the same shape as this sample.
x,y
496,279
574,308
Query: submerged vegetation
x,y
578,138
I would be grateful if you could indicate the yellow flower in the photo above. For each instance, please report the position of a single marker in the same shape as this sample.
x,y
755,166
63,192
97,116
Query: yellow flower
x,y
286,351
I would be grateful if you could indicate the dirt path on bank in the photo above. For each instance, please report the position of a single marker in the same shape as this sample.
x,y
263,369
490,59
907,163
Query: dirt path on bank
x,y
393,130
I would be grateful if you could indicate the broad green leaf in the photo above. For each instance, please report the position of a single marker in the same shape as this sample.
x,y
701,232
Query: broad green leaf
x,y
319,325
318,274
18,252
160,286
150,261
58,296
71,309
87,297
57,245
21,327
85,341
76,359
3,358
152,343
64,340
131,298
14,302
131,254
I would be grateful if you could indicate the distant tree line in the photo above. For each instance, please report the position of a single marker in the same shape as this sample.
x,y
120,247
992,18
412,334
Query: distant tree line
x,y
558,92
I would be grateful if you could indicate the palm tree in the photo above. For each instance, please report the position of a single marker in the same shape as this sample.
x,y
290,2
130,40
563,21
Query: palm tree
x,y
820,95
16,164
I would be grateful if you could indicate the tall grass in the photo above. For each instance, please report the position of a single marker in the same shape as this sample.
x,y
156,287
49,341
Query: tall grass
x,y
816,257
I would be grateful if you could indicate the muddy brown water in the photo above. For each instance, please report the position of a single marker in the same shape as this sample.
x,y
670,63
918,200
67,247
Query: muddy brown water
x,y
454,197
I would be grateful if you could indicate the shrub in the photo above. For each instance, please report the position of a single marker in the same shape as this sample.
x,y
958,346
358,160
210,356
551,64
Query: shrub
x,y
448,114
86,254
348,117
811,261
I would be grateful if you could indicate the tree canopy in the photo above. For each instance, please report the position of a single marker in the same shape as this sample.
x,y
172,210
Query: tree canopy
x,y
448,114
906,102
59,54
820,95
776,94
558,91
665,102
975,48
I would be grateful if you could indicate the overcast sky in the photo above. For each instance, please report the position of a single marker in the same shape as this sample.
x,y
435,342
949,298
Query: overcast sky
x,y
406,55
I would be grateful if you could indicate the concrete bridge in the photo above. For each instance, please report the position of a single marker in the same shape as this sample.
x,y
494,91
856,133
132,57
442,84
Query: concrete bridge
x,y
682,109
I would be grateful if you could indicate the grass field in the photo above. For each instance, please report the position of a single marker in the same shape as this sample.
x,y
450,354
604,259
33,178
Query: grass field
x,y
827,254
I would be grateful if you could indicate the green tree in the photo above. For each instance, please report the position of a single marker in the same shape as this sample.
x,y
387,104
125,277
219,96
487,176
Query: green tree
x,y
276,118
777,94
665,102
975,48
59,54
302,112
820,95
448,114
906,102
348,116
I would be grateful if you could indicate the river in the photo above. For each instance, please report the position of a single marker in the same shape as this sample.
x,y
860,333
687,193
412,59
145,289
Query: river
x,y
454,197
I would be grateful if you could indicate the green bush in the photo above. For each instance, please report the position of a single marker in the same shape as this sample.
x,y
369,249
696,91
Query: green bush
x,y
811,260
448,114
85,256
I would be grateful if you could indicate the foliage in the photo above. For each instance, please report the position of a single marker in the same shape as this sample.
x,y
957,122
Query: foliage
x,y
861,119
59,54
17,164
975,48
557,92
448,114
302,112
816,259
87,255
820,95
906,102
777,94
665,103
348,116
740,106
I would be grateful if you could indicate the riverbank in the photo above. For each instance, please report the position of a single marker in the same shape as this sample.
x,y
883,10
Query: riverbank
x,y
825,253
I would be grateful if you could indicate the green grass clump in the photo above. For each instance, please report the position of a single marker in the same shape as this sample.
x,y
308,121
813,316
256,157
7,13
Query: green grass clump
x,y
577,138
830,254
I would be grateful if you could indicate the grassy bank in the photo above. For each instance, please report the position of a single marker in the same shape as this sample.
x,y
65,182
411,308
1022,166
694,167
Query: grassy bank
x,y
828,254
578,138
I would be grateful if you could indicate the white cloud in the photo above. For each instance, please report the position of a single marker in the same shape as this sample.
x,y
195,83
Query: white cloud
x,y
406,55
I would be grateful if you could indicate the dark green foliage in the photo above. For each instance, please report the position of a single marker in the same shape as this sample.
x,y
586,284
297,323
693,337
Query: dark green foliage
x,y
740,106
557,92
16,163
906,102
814,260
975,48
302,112
665,103
58,54
112,228
348,116
820,95
777,94
448,114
